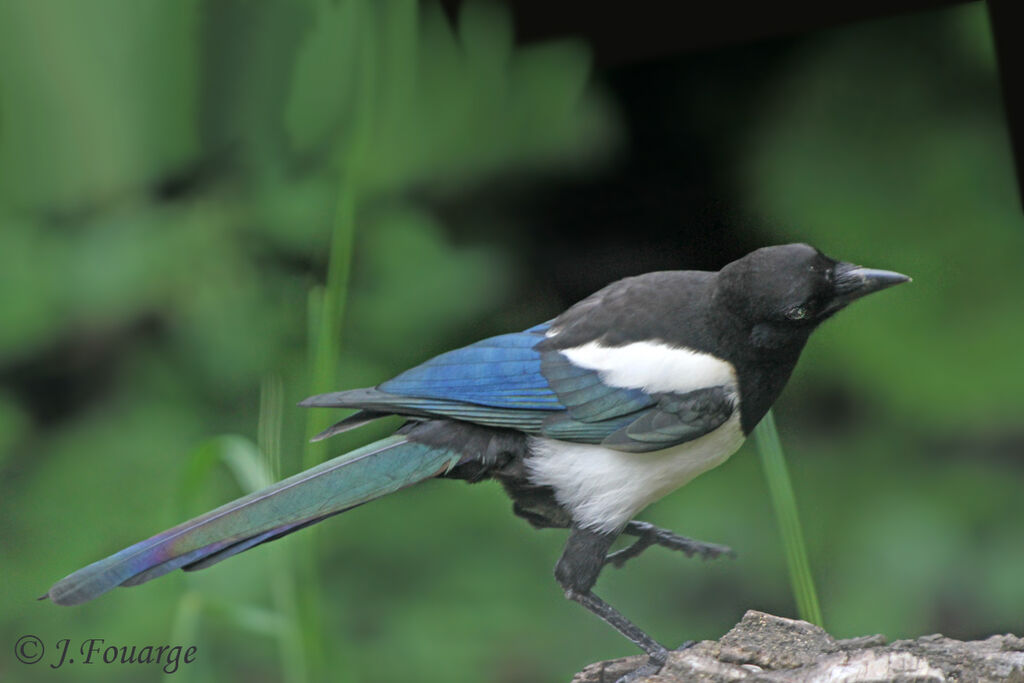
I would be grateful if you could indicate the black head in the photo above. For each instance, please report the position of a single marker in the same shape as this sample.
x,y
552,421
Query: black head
x,y
782,293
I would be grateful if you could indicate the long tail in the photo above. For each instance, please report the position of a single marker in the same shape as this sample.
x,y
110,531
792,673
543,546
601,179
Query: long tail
x,y
306,498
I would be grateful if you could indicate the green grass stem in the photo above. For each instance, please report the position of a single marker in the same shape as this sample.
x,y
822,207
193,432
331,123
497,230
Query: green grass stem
x,y
327,314
283,582
784,501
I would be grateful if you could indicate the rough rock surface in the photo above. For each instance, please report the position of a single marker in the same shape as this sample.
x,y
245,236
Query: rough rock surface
x,y
766,648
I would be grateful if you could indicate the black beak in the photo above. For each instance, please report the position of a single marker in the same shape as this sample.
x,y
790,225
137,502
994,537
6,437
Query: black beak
x,y
851,282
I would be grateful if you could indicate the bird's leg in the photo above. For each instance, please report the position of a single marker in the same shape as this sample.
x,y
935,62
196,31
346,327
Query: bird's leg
x,y
648,535
537,519
577,571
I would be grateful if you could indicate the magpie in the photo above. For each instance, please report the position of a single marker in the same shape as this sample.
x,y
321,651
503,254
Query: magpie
x,y
584,420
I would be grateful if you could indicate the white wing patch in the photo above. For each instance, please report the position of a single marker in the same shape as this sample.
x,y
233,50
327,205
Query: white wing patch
x,y
603,488
653,366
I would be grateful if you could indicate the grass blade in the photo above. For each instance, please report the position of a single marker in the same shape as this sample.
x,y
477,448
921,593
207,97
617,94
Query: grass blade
x,y
287,615
327,313
784,501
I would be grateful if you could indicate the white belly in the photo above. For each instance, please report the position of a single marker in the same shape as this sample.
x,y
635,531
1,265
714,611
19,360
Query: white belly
x,y
604,488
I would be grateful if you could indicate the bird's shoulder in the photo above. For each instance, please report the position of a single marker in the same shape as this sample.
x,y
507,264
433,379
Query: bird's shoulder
x,y
669,305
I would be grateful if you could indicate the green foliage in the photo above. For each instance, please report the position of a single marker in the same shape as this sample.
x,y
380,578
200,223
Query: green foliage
x,y
162,167
451,107
173,176
867,157
97,99
14,425
893,153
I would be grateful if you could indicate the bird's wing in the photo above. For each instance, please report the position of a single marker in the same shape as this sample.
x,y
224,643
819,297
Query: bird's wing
x,y
499,372
505,381
498,382
630,419
676,418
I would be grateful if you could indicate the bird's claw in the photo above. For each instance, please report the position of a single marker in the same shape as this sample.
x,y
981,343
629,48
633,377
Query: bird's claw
x,y
651,667
648,535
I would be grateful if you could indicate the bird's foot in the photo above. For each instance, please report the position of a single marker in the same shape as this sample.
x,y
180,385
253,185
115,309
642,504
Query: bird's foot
x,y
651,667
648,535
619,557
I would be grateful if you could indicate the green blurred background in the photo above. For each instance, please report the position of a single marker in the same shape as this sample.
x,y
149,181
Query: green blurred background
x,y
179,179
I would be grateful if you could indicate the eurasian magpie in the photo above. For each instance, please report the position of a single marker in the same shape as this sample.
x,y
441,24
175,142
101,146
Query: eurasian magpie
x,y
584,419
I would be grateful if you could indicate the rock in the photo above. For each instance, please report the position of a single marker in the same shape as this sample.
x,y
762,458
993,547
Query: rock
x,y
763,648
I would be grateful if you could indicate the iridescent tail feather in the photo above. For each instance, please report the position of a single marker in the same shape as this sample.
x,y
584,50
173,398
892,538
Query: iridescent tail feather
x,y
298,501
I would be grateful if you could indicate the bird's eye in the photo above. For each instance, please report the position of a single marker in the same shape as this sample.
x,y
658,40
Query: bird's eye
x,y
797,313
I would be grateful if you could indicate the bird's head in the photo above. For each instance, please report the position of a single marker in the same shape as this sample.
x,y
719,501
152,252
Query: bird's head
x,y
782,293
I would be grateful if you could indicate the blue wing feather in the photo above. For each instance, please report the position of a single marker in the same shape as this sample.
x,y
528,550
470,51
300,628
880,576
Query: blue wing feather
x,y
500,372
506,381
507,372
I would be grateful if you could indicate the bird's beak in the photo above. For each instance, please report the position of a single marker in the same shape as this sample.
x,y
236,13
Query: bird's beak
x,y
851,282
